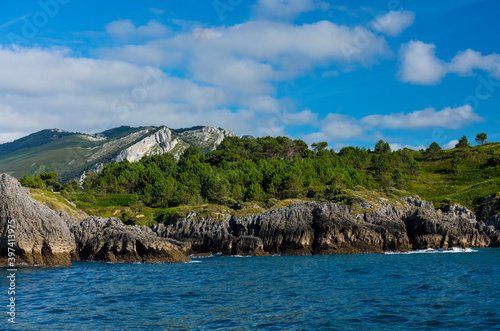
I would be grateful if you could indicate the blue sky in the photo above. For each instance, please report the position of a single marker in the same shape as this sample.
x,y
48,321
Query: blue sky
x,y
345,72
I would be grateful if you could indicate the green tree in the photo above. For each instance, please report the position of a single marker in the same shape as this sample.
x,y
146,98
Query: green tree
x,y
462,143
481,138
382,147
317,147
434,150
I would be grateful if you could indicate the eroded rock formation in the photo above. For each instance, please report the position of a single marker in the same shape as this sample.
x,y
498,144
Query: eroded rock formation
x,y
330,228
46,237
41,234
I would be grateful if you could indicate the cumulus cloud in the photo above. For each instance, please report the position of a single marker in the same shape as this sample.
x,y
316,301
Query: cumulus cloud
x,y
447,118
393,23
228,70
451,144
338,127
125,29
53,88
287,8
397,147
420,65
250,57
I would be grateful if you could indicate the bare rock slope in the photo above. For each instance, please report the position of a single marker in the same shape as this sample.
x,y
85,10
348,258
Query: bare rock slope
x,y
47,237
41,235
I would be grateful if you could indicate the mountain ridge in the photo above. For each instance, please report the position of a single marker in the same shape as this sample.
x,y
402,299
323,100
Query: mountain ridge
x,y
71,154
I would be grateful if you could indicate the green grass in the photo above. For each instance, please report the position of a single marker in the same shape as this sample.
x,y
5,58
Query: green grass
x,y
56,201
443,183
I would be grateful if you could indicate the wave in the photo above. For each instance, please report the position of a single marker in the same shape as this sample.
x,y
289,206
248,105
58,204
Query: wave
x,y
436,251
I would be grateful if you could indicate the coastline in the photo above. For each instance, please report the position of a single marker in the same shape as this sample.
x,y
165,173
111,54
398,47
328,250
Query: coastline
x,y
49,238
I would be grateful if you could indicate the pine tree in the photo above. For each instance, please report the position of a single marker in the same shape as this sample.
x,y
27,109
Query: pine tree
x,y
462,143
481,138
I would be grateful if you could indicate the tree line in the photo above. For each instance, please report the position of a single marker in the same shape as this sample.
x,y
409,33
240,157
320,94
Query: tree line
x,y
248,169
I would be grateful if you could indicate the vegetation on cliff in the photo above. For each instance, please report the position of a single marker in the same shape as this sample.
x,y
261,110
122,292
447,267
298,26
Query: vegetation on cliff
x,y
253,173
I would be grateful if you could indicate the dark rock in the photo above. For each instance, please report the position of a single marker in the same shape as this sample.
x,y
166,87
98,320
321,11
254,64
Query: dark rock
x,y
330,228
428,228
41,234
47,237
492,230
111,241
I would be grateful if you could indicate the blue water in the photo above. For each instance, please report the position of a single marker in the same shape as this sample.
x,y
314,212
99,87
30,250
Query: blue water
x,y
426,291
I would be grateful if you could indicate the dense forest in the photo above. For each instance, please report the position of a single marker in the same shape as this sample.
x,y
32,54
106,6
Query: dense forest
x,y
267,170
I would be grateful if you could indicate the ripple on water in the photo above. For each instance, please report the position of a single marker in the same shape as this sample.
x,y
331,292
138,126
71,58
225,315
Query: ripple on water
x,y
427,290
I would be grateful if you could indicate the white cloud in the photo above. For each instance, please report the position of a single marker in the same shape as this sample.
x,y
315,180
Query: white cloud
x,y
250,57
465,62
287,8
235,67
447,118
450,145
50,88
419,64
338,127
125,29
393,23
397,147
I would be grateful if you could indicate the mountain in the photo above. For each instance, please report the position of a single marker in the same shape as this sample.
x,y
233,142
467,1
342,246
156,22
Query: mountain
x,y
71,154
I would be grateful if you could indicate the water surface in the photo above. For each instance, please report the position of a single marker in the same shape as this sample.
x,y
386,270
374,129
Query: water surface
x,y
430,290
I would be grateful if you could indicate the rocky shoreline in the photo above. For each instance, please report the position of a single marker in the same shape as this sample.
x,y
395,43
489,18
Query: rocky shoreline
x,y
46,237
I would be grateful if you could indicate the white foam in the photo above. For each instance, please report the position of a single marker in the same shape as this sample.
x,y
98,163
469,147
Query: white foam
x,y
436,251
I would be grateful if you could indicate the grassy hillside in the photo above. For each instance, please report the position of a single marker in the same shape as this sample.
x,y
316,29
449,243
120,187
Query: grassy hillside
x,y
57,202
459,177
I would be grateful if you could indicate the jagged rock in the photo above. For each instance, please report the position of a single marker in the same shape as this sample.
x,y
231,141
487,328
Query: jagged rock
x,y
41,234
428,228
205,138
248,245
158,143
110,240
299,229
329,228
199,235
47,237
492,230
378,231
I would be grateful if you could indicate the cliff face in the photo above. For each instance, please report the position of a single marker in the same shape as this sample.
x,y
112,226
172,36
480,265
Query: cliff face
x,y
41,234
101,239
158,143
456,228
329,228
47,237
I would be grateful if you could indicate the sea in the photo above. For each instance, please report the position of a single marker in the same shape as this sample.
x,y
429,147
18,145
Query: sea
x,y
430,289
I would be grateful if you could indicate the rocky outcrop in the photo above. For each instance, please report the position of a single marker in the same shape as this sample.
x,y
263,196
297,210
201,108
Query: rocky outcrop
x,y
101,239
490,212
457,227
300,229
205,138
492,229
46,237
159,142
41,236
329,228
